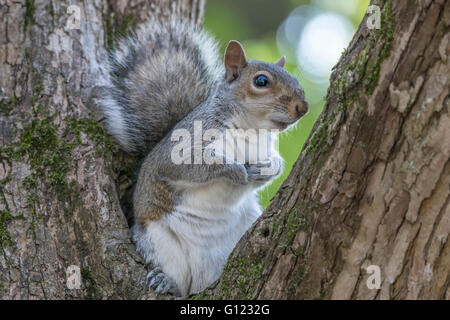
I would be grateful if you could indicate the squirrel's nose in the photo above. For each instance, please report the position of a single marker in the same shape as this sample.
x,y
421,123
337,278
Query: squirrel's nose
x,y
301,109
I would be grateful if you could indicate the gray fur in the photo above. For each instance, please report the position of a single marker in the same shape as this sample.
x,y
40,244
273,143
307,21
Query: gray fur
x,y
157,76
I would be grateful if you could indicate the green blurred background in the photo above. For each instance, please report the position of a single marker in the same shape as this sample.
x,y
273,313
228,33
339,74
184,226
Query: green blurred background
x,y
312,34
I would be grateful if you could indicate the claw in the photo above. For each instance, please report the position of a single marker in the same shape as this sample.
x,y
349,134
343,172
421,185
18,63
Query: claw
x,y
156,280
161,283
164,286
154,272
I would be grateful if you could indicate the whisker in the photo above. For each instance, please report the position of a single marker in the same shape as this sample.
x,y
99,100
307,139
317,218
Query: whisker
x,y
276,107
267,105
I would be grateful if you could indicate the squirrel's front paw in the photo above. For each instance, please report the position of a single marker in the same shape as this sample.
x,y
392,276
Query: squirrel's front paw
x,y
162,283
263,171
238,173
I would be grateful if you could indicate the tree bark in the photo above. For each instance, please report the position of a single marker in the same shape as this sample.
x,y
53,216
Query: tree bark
x,y
59,204
371,186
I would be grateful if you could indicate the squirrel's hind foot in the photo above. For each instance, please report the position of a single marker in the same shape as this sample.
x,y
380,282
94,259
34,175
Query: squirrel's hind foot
x,y
161,283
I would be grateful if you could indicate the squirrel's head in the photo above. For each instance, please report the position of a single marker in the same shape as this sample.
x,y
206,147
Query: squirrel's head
x,y
269,95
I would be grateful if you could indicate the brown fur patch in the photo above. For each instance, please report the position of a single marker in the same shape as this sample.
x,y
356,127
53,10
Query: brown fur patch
x,y
285,98
161,203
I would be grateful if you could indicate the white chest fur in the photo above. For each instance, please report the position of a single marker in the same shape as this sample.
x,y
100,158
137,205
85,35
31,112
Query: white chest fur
x,y
192,243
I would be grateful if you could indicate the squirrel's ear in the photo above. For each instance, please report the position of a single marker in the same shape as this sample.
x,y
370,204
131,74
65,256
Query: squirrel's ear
x,y
281,61
235,60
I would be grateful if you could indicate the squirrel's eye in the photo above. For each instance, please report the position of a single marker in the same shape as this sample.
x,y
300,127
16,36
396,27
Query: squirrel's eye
x,y
261,81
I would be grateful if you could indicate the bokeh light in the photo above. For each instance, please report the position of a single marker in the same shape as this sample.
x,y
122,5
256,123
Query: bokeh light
x,y
316,39
323,39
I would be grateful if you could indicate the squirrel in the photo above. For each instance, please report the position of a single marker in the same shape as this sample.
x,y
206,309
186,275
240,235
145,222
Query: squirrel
x,y
165,77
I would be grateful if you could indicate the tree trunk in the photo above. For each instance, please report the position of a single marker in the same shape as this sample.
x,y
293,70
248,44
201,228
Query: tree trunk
x,y
371,186
59,204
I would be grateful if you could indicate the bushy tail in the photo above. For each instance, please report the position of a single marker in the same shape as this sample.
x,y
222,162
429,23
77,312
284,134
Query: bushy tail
x,y
157,76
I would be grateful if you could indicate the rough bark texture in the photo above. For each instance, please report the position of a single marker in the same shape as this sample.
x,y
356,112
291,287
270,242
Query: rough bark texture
x,y
371,186
59,204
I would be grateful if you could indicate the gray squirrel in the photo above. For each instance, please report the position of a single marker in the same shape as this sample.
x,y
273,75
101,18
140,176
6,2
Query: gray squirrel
x,y
165,77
